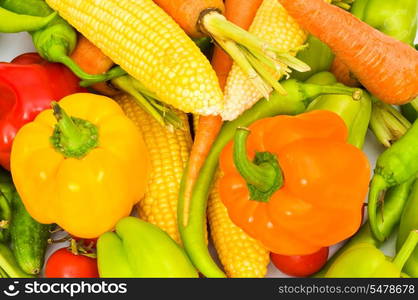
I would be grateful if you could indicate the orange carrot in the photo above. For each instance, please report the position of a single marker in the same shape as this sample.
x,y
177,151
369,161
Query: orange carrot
x,y
242,14
92,60
343,74
387,67
188,13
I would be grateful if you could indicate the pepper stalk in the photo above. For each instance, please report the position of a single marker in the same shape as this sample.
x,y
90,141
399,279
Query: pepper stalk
x,y
263,175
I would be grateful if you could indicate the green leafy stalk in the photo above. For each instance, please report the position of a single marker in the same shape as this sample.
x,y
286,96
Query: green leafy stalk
x,y
253,55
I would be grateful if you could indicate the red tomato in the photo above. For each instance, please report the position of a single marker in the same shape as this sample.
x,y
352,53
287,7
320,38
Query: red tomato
x,y
300,265
64,264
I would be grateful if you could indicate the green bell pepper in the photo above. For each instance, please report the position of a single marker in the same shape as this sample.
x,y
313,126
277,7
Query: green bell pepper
x,y
396,18
387,220
355,113
140,249
409,221
317,55
365,260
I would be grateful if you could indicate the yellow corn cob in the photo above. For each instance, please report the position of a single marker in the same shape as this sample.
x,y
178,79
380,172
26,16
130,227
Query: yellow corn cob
x,y
240,255
272,24
148,44
169,153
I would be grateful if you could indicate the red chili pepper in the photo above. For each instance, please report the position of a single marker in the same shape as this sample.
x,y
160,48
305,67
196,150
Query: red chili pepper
x,y
28,84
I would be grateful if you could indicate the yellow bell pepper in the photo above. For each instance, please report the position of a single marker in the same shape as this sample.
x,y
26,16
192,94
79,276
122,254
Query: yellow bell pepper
x,y
83,172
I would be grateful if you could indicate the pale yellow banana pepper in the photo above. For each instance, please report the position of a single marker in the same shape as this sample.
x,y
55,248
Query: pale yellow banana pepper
x,y
83,172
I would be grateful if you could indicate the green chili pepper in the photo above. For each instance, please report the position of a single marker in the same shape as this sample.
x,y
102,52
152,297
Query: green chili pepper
x,y
3,274
141,249
12,22
9,264
395,201
355,113
317,55
396,18
365,260
57,40
396,165
410,110
191,215
409,221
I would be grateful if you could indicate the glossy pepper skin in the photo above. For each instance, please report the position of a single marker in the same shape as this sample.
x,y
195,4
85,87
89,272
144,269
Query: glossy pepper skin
x,y
355,113
192,224
396,18
84,172
27,86
317,55
409,221
395,166
12,22
366,261
324,186
388,219
140,249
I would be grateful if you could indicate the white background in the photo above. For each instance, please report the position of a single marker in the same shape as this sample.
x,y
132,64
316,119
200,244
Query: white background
x,y
12,45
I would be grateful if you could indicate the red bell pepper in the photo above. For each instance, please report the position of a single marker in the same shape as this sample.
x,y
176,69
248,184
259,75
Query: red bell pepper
x,y
28,84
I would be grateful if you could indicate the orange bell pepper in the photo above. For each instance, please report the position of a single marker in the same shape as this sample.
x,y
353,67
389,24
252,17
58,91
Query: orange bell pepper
x,y
296,185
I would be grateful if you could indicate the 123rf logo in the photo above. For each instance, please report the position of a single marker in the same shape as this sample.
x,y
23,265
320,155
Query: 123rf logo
x,y
71,289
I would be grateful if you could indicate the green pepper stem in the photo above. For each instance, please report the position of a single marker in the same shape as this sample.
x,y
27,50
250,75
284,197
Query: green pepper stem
x,y
73,137
58,54
407,248
109,75
264,177
67,126
312,90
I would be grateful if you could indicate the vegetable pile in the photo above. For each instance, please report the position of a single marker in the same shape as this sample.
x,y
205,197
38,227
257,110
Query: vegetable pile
x,y
142,131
